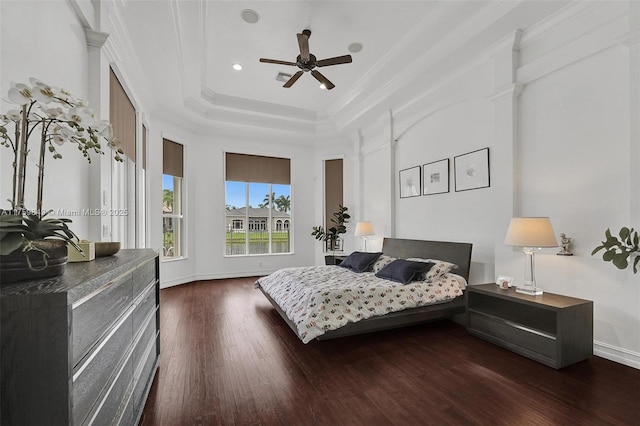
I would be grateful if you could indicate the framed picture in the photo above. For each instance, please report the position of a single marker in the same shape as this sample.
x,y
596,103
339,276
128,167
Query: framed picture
x,y
435,177
472,170
410,182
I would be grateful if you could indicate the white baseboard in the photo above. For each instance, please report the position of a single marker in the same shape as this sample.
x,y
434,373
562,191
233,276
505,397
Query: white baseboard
x,y
192,278
177,281
616,354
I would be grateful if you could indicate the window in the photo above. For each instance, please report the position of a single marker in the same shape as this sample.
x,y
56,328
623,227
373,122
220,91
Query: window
x,y
172,200
333,193
124,185
258,193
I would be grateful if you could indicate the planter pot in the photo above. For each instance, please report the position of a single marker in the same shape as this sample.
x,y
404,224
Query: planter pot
x,y
49,259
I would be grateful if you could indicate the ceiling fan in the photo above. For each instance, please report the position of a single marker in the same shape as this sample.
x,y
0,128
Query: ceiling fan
x,y
307,62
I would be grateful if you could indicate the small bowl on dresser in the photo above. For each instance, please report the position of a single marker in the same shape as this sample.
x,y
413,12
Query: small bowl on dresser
x,y
107,248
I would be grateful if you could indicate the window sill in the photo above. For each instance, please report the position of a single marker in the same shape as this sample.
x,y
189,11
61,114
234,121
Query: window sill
x,y
172,259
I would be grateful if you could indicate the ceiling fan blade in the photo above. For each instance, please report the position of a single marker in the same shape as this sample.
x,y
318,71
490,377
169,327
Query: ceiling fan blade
x,y
346,59
293,79
322,79
275,61
303,43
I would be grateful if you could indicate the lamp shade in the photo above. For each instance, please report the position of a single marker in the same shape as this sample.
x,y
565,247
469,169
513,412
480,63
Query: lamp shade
x,y
530,232
363,229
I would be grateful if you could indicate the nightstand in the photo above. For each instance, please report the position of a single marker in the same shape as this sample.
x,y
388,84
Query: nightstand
x,y
552,329
333,260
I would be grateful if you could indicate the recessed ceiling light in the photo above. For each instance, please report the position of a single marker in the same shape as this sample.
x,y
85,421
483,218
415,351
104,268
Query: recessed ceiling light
x,y
323,87
355,47
250,16
237,66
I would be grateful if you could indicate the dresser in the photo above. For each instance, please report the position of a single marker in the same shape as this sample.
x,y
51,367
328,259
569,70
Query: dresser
x,y
552,329
81,348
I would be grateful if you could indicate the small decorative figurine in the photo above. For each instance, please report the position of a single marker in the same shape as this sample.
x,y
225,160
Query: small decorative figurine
x,y
565,243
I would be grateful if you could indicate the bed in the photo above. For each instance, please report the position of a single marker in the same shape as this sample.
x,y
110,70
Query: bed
x,y
284,281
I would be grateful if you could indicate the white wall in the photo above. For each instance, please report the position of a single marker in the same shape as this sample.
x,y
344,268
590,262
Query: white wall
x,y
45,40
564,143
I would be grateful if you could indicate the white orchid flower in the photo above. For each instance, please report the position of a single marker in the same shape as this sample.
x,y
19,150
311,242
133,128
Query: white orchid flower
x,y
105,130
43,93
62,134
20,94
13,115
78,115
52,112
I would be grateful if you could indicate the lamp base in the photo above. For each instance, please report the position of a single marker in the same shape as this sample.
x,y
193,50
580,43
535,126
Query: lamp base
x,y
531,291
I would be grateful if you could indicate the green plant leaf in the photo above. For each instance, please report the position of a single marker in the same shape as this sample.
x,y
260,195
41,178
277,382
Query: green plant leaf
x,y
620,260
608,255
9,243
635,264
607,233
597,249
624,233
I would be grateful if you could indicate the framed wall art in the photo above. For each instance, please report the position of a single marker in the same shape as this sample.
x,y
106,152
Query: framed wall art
x,y
410,182
435,177
471,170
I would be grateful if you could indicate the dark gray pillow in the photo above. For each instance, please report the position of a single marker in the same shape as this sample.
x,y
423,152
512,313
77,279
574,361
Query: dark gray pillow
x,y
360,261
404,271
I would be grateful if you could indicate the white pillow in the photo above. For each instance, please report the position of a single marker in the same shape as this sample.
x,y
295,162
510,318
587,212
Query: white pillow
x,y
439,268
381,263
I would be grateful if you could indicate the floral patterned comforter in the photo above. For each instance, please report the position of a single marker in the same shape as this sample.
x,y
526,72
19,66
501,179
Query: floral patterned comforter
x,y
322,298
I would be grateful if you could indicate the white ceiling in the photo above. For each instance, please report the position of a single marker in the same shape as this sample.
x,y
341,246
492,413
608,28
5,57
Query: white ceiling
x,y
184,50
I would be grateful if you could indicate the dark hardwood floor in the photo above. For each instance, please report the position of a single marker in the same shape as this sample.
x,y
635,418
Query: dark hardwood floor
x,y
228,358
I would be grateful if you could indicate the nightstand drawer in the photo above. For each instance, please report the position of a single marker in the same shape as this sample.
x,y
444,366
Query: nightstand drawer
x,y
507,333
552,329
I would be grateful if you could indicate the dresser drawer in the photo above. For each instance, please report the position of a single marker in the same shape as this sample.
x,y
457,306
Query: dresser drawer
x,y
508,333
93,377
143,275
143,339
114,407
143,306
143,374
93,315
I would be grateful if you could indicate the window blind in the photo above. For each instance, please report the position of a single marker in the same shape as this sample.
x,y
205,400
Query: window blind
x,y
122,115
256,168
144,147
332,189
172,158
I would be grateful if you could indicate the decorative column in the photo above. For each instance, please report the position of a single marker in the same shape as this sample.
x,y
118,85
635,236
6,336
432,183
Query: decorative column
x,y
505,157
100,173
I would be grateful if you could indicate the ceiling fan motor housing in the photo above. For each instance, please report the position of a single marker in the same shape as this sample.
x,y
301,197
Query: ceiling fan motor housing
x,y
308,65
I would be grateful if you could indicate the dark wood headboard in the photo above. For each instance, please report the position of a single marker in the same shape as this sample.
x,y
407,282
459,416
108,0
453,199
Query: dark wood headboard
x,y
458,253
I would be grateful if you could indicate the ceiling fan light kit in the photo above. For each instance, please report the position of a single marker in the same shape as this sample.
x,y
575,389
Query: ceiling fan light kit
x,y
307,62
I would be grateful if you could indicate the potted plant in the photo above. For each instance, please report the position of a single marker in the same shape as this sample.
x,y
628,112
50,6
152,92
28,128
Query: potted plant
x,y
331,236
621,251
53,117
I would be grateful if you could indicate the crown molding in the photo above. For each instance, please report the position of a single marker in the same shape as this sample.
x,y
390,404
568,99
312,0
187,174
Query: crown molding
x,y
248,119
95,38
443,48
632,38
268,108
510,90
571,11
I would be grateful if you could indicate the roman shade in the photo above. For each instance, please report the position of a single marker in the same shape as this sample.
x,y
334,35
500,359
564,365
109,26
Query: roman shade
x,y
332,189
122,115
144,147
256,168
172,158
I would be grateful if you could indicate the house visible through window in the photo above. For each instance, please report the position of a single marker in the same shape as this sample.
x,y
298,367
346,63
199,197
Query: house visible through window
x,y
258,205
172,200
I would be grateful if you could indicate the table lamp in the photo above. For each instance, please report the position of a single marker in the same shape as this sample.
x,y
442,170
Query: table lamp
x,y
530,233
363,229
